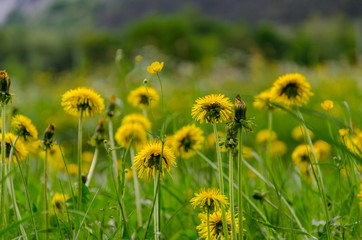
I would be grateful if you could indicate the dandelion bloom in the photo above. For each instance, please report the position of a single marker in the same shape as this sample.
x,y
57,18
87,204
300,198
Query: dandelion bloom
x,y
188,140
343,132
216,225
147,161
263,101
155,67
301,157
278,148
137,118
134,131
323,148
291,89
209,200
298,133
59,202
143,97
263,136
84,100
23,127
327,105
212,108
19,148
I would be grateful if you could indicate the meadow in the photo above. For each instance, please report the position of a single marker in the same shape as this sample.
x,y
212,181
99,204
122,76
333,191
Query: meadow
x,y
269,150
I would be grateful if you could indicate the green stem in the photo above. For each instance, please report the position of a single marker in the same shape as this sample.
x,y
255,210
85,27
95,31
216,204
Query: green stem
x,y
114,153
46,200
79,159
208,224
3,165
159,79
155,215
231,194
240,180
137,192
92,168
270,129
317,173
221,181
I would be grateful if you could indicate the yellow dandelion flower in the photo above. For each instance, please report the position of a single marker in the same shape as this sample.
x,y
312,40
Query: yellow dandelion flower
x,y
137,118
263,136
147,161
300,157
155,67
209,200
55,158
169,141
131,131
187,141
143,97
84,100
263,101
327,105
59,202
19,148
343,132
298,133
291,89
278,148
212,108
323,148
34,147
216,225
23,127
72,169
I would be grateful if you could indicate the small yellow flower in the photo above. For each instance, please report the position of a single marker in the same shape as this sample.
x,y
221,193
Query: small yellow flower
x,y
291,89
147,161
169,141
155,67
23,127
137,118
84,100
263,136
72,169
143,97
301,157
212,108
59,202
343,132
131,131
20,149
209,200
263,101
188,140
323,148
129,174
327,105
138,58
278,148
298,133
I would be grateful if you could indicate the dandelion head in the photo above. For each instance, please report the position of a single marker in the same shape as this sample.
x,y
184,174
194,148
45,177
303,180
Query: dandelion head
x,y
263,101
302,156
263,136
134,132
327,105
23,127
278,148
143,97
212,108
59,201
19,147
187,141
137,118
323,148
298,133
209,200
82,100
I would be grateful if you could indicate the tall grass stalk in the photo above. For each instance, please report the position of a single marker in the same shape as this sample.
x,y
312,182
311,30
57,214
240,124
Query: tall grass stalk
x,y
3,165
79,160
231,194
221,181
240,181
136,191
93,166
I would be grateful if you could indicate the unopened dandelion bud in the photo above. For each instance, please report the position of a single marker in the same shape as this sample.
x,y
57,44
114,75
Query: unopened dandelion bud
x,y
4,82
111,106
98,136
48,139
145,81
240,109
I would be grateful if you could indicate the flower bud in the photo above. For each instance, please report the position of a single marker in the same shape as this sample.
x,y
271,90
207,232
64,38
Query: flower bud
x,y
98,136
4,82
240,109
145,81
111,106
48,139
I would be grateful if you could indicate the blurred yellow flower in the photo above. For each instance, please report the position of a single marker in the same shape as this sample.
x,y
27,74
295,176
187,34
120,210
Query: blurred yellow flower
x,y
263,101
327,105
263,136
147,161
210,141
23,127
143,97
129,174
301,157
187,140
84,100
323,148
212,108
155,67
59,202
19,148
343,132
131,131
278,148
291,89
298,133
138,58
137,118
72,169
209,200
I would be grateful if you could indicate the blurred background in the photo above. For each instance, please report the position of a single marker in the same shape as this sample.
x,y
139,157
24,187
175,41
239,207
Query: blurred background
x,y
49,46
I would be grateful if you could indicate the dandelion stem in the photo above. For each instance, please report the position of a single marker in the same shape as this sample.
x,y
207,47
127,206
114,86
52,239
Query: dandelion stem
x,y
79,158
3,165
231,194
240,181
46,200
155,216
114,153
208,224
93,166
136,192
221,181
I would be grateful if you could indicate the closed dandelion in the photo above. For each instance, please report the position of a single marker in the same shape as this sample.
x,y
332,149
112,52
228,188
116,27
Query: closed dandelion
x,y
188,140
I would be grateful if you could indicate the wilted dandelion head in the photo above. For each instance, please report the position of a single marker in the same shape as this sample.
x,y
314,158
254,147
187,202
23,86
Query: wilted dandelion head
x,y
188,140
23,127
291,89
327,105
216,225
143,97
19,148
147,161
212,108
137,118
263,101
209,200
134,132
82,100
155,67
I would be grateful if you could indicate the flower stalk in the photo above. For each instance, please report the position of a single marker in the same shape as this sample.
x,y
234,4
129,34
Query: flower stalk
x,y
136,192
79,161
